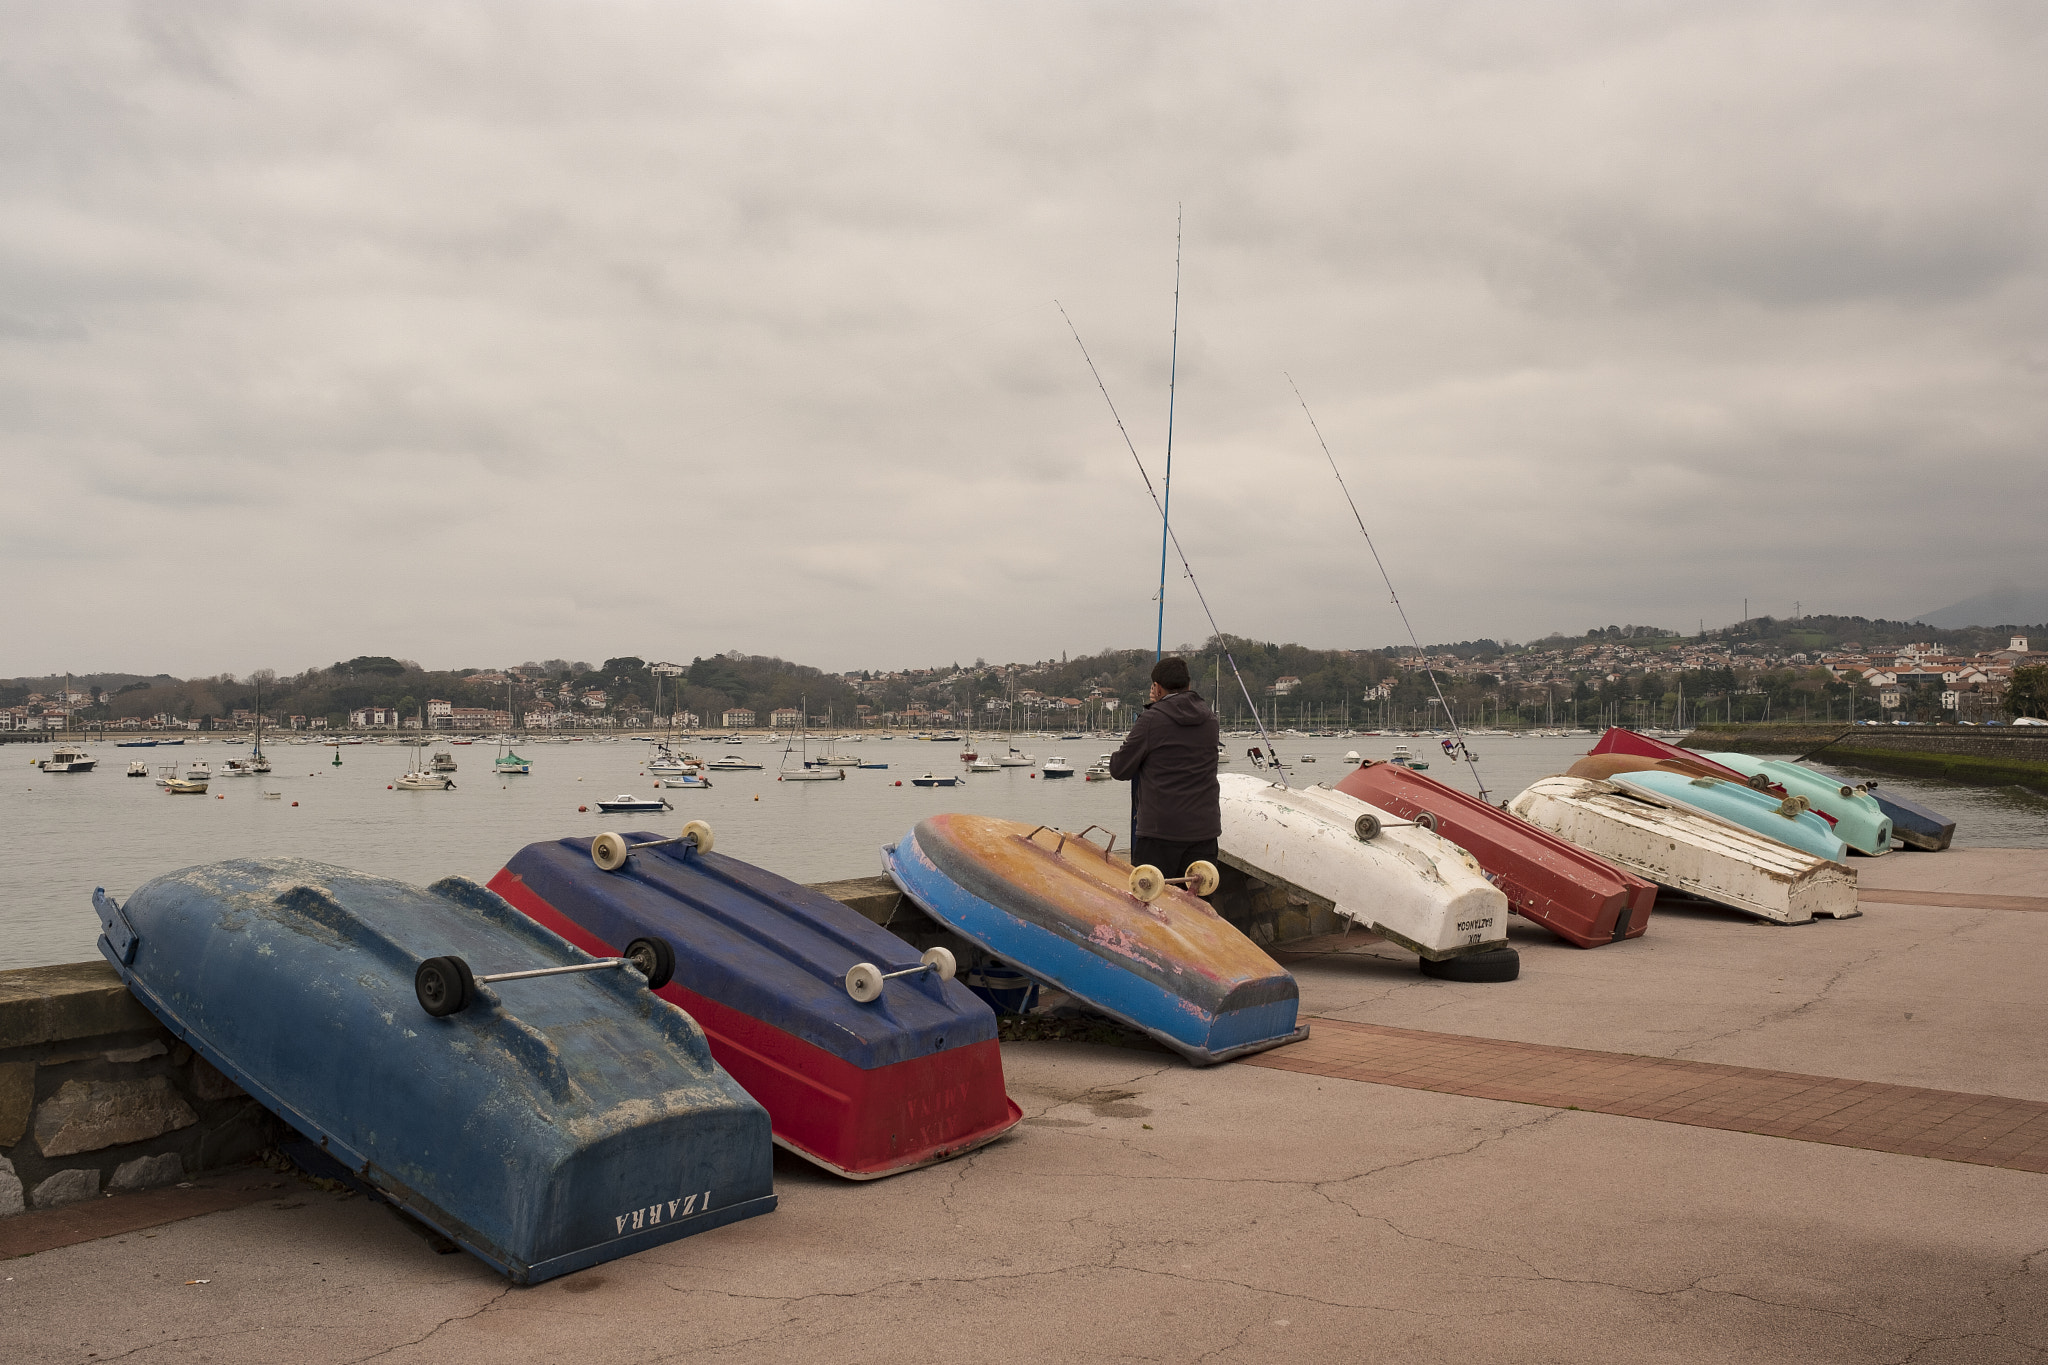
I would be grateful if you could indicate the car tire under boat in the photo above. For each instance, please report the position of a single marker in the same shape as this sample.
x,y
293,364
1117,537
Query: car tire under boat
x,y
1498,964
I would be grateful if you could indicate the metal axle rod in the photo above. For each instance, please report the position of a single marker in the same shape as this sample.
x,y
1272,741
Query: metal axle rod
x,y
597,966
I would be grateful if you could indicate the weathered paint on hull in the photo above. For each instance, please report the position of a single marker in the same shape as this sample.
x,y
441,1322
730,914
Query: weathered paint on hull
x,y
1859,821
1581,898
1606,767
1773,817
589,1125
1697,854
863,1090
1406,884
1059,908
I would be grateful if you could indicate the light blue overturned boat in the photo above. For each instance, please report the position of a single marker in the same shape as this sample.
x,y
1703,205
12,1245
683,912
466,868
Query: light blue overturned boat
x,y
544,1125
1781,818
1859,821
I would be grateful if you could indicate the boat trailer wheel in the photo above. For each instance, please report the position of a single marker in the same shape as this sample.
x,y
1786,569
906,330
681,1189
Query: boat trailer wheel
x,y
444,986
1760,781
1366,827
609,850
864,979
655,959
1425,820
1148,883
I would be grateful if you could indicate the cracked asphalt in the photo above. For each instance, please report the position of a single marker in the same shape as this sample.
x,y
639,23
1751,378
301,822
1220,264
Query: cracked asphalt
x,y
1146,1210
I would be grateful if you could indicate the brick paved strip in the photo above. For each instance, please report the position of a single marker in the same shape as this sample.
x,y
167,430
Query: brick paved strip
x,y
47,1229
1986,1130
1951,900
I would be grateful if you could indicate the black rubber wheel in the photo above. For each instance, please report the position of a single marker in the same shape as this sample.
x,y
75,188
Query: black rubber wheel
x,y
655,959
1500,964
444,986
1426,821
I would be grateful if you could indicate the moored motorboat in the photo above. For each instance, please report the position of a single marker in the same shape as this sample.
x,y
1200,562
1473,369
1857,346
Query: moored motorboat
x,y
682,780
1056,767
138,769
1788,819
444,762
1098,771
1581,898
982,763
67,760
1399,879
934,780
732,763
1696,854
1065,911
1858,819
589,1124
865,1087
626,801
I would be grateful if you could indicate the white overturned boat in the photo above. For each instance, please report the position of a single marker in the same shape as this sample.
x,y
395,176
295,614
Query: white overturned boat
x,y
1699,854
1395,878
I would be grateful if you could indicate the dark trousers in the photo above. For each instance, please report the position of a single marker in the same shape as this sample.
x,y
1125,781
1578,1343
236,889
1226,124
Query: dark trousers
x,y
1170,856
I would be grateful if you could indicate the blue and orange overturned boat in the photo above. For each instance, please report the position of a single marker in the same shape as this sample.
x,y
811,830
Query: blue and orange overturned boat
x,y
544,1125
868,1064
1069,913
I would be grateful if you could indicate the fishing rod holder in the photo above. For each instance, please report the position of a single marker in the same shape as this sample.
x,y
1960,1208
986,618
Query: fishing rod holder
x,y
445,985
609,851
864,979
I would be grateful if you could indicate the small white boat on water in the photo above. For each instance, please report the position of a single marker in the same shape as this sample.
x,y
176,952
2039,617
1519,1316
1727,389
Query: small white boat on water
x,y
236,767
1098,771
732,763
1694,853
812,775
833,761
138,769
419,780
444,762
982,763
1015,759
64,760
1057,767
1390,876
198,772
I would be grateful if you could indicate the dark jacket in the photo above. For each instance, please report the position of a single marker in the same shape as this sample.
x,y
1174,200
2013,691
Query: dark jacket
x,y
1171,755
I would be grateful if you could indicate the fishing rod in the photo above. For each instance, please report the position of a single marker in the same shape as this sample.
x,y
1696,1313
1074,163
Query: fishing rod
x,y
1174,540
1393,596
1172,375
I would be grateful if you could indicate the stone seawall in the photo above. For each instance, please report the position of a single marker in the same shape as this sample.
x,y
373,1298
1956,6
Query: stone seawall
x,y
1998,756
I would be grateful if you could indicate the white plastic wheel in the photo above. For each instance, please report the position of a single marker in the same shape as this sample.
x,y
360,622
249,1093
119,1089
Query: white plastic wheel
x,y
942,958
864,981
1147,882
1206,877
1366,827
701,832
608,851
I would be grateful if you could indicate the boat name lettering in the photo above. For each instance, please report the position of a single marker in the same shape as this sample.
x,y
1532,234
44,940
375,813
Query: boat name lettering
x,y
651,1216
1468,924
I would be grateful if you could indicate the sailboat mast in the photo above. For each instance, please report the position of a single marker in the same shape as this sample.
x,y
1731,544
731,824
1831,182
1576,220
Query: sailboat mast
x,y
1166,484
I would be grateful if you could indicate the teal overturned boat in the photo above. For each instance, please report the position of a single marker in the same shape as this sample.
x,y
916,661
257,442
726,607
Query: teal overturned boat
x,y
539,1107
1858,819
1786,819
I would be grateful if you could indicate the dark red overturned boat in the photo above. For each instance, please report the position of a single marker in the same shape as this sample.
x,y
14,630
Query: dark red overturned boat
x,y
1629,742
1580,898
869,1060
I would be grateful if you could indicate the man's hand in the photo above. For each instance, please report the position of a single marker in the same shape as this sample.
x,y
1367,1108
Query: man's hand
x,y
1157,693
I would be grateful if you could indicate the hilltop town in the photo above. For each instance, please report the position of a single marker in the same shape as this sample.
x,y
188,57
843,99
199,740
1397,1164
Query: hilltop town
x,y
1813,668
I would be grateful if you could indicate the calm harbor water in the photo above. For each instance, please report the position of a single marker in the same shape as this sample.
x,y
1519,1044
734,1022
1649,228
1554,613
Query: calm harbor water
x,y
70,833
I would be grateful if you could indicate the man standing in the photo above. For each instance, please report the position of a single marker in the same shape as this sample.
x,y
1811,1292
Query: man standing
x,y
1170,758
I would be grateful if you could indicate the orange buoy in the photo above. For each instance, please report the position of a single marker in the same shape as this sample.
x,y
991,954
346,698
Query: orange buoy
x,y
295,803
583,808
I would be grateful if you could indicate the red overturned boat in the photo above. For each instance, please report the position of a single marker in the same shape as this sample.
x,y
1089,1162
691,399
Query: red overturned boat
x,y
1629,743
1580,898
869,1061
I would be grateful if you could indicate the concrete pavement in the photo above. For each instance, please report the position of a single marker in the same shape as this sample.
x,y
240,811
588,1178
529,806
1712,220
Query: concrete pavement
x,y
1150,1211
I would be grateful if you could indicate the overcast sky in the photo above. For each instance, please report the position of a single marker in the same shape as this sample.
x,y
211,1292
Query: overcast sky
x,y
475,333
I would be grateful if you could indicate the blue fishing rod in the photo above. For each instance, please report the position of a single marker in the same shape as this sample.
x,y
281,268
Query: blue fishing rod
x,y
1174,541
1172,376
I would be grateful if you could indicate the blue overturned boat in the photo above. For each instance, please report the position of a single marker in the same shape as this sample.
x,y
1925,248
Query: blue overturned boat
x,y
870,1059
1858,819
541,1108
1788,820
1066,911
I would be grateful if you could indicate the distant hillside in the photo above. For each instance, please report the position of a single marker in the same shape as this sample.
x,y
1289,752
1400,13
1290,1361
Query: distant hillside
x,y
2007,605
